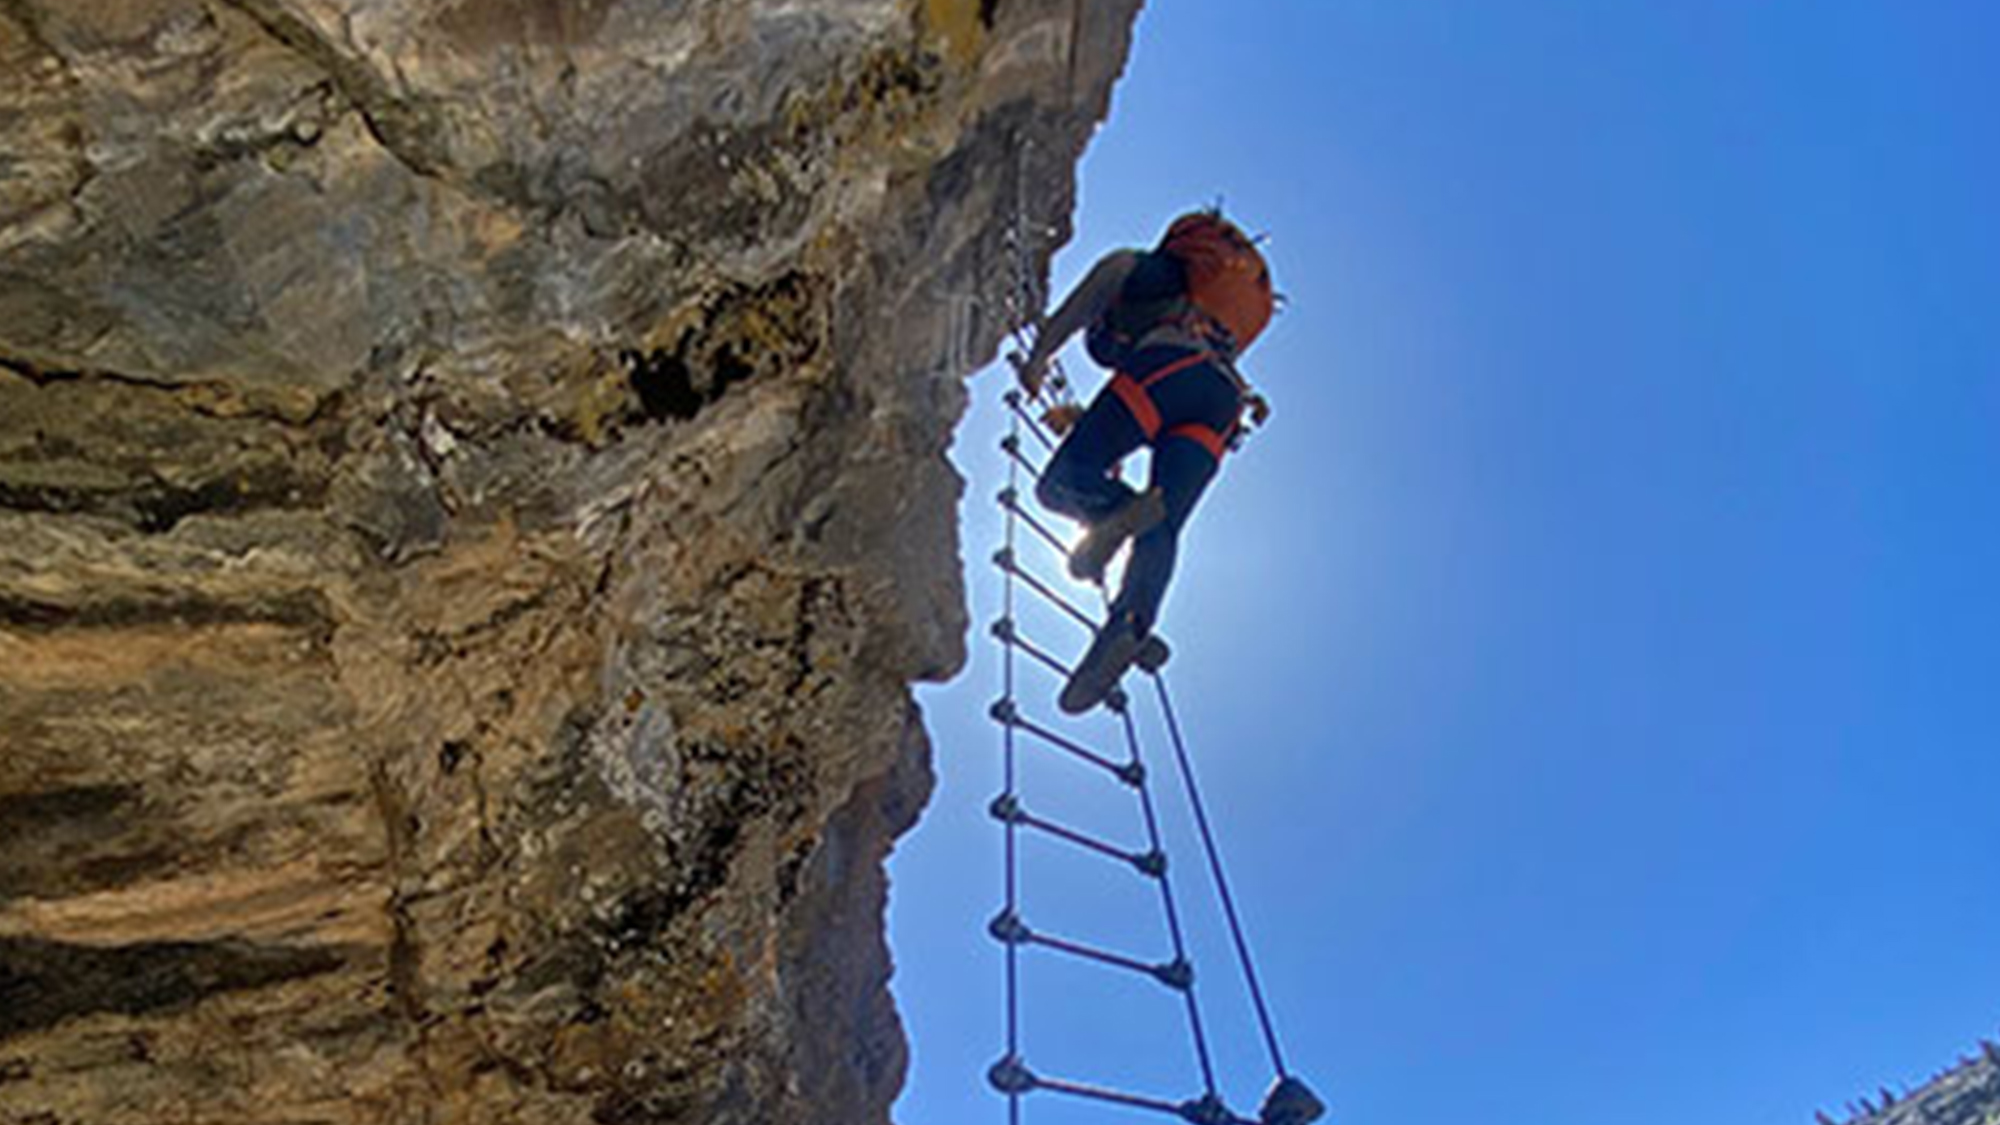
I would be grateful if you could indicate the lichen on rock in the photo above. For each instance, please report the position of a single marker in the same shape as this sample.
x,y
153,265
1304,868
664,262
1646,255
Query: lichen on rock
x,y
473,500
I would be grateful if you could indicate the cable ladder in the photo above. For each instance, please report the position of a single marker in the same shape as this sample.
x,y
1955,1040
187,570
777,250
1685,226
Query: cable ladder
x,y
1025,444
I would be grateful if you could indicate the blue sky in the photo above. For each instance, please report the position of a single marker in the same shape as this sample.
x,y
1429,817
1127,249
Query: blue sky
x,y
1595,666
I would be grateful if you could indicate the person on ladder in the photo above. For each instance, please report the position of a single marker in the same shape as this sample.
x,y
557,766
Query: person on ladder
x,y
1169,323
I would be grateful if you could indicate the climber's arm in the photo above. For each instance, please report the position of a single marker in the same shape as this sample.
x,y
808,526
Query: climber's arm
x,y
1090,297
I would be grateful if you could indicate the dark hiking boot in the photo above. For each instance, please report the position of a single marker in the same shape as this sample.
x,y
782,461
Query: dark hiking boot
x,y
1116,647
1139,515
1290,1103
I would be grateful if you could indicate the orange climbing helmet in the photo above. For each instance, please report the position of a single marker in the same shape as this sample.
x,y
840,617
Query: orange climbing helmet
x,y
1228,281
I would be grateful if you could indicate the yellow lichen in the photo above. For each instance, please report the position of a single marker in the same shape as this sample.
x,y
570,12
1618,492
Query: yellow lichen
x,y
589,396
957,23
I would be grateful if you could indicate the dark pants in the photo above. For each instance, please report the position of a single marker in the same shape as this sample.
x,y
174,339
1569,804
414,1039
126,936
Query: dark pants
x,y
1081,480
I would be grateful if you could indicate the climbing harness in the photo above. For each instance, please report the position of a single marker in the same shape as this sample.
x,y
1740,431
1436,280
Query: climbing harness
x,y
1024,729
1136,393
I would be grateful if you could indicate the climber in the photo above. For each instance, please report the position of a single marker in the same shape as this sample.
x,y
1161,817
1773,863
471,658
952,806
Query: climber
x,y
1169,323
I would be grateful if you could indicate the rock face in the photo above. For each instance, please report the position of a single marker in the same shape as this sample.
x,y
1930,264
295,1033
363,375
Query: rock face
x,y
472,501
1968,1094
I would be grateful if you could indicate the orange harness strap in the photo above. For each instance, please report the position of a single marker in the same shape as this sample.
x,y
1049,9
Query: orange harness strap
x,y
1133,393
1138,402
1195,359
1205,436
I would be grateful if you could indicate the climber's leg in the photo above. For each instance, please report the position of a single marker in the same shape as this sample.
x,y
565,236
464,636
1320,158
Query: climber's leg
x,y
1081,479
1182,470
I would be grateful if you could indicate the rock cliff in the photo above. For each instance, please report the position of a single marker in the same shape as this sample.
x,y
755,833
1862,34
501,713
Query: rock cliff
x,y
1967,1094
472,502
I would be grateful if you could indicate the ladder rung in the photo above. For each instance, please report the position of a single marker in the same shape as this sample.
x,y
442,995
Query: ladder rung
x,y
1021,411
1091,953
1006,561
1011,446
1128,772
1100,1094
1177,975
1012,502
1006,634
1008,810
1081,839
1202,1111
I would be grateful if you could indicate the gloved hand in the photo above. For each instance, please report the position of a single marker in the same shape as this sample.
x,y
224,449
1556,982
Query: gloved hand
x,y
1030,375
1260,408
1062,418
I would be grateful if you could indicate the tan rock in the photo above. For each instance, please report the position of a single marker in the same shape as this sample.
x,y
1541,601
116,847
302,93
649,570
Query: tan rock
x,y
472,502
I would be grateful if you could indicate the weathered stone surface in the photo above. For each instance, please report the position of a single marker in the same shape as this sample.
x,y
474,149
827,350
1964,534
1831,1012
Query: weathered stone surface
x,y
472,501
1968,1094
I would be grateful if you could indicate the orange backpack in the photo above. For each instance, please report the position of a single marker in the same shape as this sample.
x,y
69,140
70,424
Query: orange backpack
x,y
1228,281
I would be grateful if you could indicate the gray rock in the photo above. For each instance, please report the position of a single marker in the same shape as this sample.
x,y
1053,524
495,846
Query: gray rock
x,y
1967,1094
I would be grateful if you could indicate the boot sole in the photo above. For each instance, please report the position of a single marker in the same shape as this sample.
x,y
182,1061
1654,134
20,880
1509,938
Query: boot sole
x,y
1099,671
